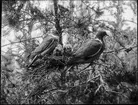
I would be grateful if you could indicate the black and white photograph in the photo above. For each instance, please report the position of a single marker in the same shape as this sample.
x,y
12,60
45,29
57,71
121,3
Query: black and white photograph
x,y
69,52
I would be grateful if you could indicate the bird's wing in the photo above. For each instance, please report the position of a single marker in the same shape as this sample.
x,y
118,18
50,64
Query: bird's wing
x,y
50,47
89,49
46,43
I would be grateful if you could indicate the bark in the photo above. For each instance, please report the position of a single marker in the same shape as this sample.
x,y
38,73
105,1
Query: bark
x,y
57,21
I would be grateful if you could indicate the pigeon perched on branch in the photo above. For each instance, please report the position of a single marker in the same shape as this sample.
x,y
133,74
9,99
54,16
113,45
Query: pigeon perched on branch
x,y
89,51
46,47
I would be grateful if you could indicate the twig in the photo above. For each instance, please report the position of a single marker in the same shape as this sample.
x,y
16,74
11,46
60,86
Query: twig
x,y
83,71
86,67
45,92
131,21
19,41
94,78
120,49
98,89
113,91
101,8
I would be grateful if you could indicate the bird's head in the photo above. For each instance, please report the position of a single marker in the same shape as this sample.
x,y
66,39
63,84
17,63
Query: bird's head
x,y
67,49
58,51
101,34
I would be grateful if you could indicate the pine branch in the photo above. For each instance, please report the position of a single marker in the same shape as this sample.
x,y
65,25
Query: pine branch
x,y
20,41
120,49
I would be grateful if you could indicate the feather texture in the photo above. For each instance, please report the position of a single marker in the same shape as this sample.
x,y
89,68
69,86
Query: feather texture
x,y
90,50
46,47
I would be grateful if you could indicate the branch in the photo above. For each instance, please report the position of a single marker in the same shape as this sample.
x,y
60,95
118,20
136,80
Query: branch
x,y
104,8
57,21
113,91
130,21
121,49
83,71
98,89
20,41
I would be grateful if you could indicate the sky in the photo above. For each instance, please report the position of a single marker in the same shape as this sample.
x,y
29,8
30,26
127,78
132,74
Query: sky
x,y
128,14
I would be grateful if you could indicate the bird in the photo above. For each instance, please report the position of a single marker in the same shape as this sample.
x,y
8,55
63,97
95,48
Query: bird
x,y
58,51
46,47
67,49
89,51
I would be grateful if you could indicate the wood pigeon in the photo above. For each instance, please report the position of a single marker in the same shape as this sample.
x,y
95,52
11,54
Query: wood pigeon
x,y
90,50
46,47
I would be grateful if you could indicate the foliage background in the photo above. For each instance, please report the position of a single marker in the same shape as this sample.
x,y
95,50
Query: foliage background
x,y
112,79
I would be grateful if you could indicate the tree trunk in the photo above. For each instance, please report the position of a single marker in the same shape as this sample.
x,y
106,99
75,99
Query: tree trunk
x,y
57,21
